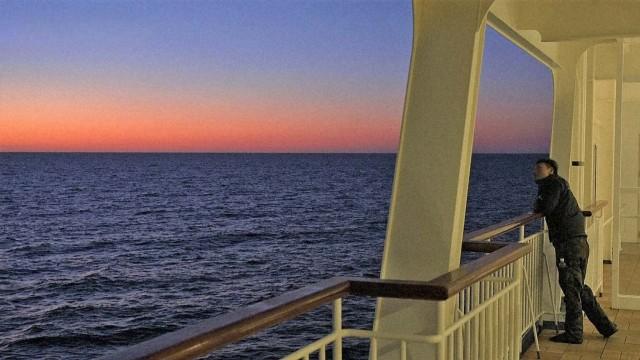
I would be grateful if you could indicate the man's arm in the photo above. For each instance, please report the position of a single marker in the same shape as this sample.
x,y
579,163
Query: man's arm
x,y
548,198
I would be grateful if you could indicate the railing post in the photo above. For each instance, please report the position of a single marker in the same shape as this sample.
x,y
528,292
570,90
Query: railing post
x,y
517,272
476,319
403,350
440,328
337,328
599,251
532,313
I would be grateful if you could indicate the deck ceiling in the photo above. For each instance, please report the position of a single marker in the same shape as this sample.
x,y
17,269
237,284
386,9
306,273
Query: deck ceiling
x,y
567,20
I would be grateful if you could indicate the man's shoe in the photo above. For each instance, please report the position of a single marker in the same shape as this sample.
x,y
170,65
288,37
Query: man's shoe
x,y
565,338
610,331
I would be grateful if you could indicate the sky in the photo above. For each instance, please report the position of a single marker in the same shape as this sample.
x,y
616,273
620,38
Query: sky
x,y
237,76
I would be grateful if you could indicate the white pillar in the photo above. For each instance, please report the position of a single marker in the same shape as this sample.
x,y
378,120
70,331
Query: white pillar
x,y
564,80
426,217
565,118
617,153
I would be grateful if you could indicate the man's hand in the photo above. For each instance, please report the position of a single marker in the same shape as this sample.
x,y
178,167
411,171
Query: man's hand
x,y
535,207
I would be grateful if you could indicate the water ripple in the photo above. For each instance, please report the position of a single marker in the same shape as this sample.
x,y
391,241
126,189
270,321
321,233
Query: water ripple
x,y
100,251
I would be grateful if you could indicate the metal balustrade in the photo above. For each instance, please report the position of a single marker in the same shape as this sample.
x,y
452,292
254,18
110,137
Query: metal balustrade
x,y
496,299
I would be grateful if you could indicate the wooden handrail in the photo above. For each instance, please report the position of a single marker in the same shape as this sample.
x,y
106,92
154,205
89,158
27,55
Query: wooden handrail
x,y
445,286
506,226
596,206
501,227
199,339
469,273
481,246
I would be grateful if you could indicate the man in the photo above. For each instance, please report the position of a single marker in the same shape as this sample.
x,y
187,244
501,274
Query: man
x,y
567,234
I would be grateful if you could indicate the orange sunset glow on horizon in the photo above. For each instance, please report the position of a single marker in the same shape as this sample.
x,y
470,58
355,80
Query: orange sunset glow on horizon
x,y
325,77
75,122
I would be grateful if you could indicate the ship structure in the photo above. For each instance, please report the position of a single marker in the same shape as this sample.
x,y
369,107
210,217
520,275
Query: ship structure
x,y
504,304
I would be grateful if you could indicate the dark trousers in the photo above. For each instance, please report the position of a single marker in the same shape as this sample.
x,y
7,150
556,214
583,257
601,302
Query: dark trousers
x,y
577,295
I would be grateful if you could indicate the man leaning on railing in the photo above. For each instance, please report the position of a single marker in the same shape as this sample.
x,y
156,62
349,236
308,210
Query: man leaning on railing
x,y
566,224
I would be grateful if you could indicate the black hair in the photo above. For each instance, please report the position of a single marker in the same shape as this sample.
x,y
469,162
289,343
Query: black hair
x,y
549,162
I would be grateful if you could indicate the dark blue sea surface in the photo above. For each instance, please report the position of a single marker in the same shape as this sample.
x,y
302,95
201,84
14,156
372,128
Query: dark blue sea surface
x,y
101,251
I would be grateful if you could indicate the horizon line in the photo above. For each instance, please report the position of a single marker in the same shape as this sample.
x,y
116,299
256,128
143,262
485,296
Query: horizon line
x,y
235,152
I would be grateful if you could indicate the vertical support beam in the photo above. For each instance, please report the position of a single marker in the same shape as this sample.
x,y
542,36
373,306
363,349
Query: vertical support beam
x,y
595,276
589,167
617,180
564,81
604,122
565,102
426,216
565,122
575,174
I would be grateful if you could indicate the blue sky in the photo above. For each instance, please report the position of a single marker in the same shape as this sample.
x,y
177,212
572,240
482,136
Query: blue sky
x,y
307,75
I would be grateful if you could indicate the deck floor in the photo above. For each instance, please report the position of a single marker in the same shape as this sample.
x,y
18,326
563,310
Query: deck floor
x,y
623,345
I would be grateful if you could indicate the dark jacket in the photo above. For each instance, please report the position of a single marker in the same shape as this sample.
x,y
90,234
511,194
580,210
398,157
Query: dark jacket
x,y
560,208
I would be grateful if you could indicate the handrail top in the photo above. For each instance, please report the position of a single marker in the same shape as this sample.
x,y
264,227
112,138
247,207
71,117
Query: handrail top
x,y
596,206
502,227
505,226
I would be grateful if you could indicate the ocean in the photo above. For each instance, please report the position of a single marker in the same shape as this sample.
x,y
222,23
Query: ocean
x,y
99,251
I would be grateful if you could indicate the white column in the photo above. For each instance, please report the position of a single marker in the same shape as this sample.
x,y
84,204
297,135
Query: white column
x,y
426,217
565,122
617,153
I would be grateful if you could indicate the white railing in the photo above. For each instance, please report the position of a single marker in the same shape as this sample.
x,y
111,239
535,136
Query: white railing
x,y
595,236
490,317
487,290
486,324
534,265
483,308
473,334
